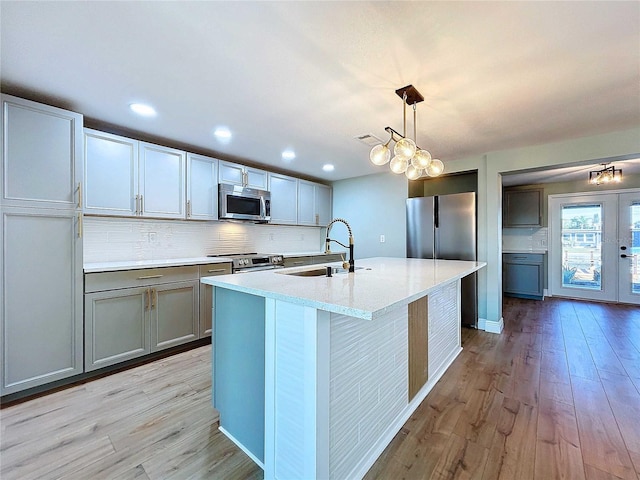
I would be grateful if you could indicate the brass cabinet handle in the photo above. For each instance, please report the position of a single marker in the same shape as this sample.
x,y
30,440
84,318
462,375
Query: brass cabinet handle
x,y
188,208
298,263
154,298
317,219
147,295
216,270
79,194
79,225
146,277
141,205
137,204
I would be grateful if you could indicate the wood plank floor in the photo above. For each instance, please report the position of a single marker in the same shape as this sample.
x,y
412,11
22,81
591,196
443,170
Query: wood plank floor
x,y
556,396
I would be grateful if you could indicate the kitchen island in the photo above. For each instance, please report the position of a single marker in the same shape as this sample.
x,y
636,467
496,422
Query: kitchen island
x,y
314,375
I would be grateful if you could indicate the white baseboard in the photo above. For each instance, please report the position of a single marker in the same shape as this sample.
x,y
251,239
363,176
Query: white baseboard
x,y
374,453
491,326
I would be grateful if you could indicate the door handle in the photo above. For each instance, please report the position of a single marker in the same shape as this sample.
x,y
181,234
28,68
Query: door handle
x,y
154,298
79,194
147,294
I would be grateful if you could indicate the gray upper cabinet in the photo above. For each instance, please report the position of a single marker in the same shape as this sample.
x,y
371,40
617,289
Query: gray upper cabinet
x,y
522,208
202,187
284,199
314,203
42,155
111,174
162,181
242,175
40,237
126,177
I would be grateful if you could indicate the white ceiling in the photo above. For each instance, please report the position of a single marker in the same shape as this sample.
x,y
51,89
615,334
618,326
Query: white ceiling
x,y
313,75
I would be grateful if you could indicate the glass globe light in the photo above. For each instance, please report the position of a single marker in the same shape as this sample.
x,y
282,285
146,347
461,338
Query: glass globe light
x,y
405,148
398,164
413,173
380,154
435,168
421,159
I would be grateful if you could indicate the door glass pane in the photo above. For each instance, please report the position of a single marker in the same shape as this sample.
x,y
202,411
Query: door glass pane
x,y
635,247
582,246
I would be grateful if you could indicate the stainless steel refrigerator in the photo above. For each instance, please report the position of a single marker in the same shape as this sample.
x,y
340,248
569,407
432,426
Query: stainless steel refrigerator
x,y
444,227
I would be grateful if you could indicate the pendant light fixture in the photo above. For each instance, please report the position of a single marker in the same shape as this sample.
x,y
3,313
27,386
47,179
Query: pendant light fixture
x,y
408,158
605,175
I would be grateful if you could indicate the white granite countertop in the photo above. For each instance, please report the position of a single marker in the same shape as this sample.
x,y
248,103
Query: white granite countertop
x,y
377,286
134,265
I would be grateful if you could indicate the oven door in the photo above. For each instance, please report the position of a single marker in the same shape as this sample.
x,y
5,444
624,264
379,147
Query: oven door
x,y
240,203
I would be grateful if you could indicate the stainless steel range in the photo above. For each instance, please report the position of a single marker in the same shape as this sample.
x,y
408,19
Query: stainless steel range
x,y
253,262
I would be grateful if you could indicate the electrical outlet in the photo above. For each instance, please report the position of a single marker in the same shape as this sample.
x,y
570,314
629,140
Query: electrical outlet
x,y
382,239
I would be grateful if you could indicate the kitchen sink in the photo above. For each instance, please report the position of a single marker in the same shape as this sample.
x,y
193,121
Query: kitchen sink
x,y
318,272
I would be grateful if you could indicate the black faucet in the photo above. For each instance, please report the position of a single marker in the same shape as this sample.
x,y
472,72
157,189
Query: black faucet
x,y
327,248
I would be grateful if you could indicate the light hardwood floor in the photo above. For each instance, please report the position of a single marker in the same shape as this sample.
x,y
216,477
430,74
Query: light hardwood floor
x,y
556,396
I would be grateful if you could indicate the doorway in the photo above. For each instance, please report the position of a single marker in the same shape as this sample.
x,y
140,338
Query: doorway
x,y
595,246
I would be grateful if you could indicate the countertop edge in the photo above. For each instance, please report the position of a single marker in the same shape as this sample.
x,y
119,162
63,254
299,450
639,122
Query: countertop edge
x,y
219,281
98,267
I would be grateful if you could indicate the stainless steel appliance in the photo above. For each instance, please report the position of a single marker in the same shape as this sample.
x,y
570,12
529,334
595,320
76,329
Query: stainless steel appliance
x,y
241,203
253,262
444,227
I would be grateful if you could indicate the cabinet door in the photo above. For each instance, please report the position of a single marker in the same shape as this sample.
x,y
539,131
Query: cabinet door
x,y
523,208
162,182
116,326
255,178
306,200
42,155
523,279
284,199
322,204
174,314
202,187
41,288
111,174
231,173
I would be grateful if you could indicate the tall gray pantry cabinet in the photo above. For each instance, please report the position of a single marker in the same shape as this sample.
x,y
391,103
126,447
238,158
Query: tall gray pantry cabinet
x,y
41,261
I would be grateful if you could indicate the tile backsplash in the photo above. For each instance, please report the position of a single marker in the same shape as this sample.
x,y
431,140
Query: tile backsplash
x,y
525,238
124,239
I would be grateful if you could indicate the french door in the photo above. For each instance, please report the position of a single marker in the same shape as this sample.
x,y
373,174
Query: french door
x,y
595,246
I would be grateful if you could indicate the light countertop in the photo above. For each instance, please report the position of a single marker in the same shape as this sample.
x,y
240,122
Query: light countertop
x,y
134,265
376,287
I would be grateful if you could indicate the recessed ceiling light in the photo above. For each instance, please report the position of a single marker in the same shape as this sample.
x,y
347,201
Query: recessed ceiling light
x,y
327,167
288,155
142,109
223,134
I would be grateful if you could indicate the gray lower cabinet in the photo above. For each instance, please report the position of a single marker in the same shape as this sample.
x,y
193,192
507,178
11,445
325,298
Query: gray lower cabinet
x,y
131,313
117,326
206,295
523,275
314,259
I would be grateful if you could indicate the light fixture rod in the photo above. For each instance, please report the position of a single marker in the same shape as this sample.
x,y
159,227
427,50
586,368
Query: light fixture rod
x,y
404,114
396,136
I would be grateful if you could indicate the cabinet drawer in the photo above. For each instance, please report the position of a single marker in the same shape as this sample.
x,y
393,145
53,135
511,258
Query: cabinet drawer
x,y
97,282
537,258
298,261
215,269
329,258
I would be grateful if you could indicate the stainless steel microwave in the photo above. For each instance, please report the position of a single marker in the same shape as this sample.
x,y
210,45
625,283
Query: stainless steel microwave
x,y
242,203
